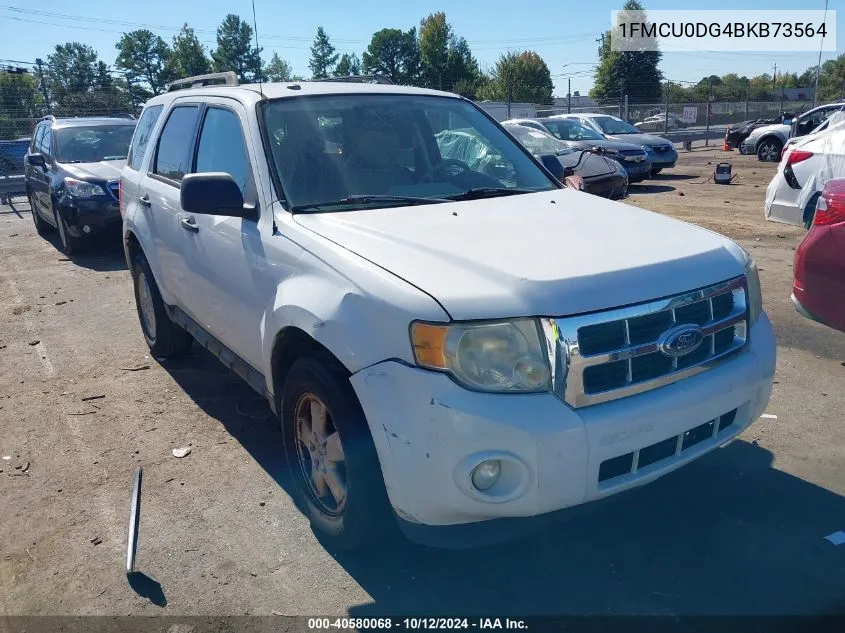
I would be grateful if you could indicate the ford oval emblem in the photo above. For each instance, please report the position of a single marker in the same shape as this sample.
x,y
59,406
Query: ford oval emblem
x,y
681,340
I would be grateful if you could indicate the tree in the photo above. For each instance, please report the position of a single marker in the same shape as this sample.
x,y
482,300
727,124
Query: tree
x,y
463,75
72,67
278,69
323,57
435,37
519,77
394,54
348,65
187,55
20,100
235,51
145,57
633,72
832,80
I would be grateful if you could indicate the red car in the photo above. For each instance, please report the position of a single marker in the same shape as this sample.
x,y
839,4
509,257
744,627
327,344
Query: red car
x,y
818,286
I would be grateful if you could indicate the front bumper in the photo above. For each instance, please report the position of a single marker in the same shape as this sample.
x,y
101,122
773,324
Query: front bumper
x,y
637,171
429,433
99,214
613,186
663,160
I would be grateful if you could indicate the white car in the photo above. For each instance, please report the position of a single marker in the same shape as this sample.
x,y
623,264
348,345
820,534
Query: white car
x,y
768,141
450,352
802,173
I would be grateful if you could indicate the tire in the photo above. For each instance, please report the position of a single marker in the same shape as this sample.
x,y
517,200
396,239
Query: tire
x,y
70,244
656,171
164,337
768,150
41,225
353,510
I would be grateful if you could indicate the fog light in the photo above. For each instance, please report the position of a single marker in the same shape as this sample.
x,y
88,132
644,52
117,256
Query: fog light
x,y
486,474
86,229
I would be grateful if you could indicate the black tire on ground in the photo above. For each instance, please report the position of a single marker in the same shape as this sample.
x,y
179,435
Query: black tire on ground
x,y
364,515
656,171
41,225
769,150
164,337
70,245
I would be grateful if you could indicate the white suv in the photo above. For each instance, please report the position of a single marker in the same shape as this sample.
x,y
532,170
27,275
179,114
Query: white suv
x,y
458,351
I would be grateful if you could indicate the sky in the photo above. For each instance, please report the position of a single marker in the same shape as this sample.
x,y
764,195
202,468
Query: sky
x,y
563,33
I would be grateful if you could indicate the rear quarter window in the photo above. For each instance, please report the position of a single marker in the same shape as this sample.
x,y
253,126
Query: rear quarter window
x,y
142,135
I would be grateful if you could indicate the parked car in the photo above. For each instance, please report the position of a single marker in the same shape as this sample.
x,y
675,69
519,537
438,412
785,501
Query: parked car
x,y
768,141
12,155
634,158
818,285
661,152
457,352
737,133
602,175
806,165
657,123
72,176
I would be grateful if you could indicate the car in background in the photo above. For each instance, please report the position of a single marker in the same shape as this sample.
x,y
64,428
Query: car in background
x,y
602,175
657,122
72,176
818,284
576,135
661,152
806,165
11,156
735,134
768,141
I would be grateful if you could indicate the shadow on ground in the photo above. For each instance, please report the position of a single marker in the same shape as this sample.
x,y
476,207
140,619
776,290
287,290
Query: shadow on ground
x,y
671,176
647,187
727,534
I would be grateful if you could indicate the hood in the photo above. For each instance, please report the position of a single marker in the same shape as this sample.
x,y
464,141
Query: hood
x,y
591,165
551,253
640,139
103,170
606,143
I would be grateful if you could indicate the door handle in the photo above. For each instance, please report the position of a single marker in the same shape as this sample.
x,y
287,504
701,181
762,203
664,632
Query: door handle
x,y
145,200
189,225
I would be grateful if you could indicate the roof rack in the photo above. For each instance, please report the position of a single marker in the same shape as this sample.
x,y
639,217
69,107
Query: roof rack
x,y
47,117
360,79
228,78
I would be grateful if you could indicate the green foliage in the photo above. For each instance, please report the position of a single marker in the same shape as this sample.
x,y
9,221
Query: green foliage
x,y
395,54
635,73
235,49
832,80
447,61
20,100
521,77
323,56
72,67
348,65
187,56
278,69
146,58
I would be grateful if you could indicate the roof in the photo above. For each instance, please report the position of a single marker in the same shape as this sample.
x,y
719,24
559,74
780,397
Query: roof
x,y
92,121
251,93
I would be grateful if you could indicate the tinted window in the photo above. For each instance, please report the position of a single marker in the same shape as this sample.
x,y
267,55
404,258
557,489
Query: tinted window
x,y
142,136
174,144
221,146
84,144
33,146
612,125
46,141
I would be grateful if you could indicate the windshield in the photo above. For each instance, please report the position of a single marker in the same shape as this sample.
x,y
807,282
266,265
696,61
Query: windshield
x,y
571,130
328,149
536,141
612,125
93,144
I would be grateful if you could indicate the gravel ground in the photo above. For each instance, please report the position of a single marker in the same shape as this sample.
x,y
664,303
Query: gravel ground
x,y
740,531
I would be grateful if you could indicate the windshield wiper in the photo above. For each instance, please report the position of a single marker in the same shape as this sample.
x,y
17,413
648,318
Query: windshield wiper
x,y
489,192
365,199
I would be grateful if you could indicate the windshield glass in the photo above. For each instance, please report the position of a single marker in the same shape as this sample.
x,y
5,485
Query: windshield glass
x,y
612,125
329,148
93,144
536,141
571,130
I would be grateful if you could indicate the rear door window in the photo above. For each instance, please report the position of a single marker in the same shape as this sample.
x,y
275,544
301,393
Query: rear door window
x,y
173,155
142,136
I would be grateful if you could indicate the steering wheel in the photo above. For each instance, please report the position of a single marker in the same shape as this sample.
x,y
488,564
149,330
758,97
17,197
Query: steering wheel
x,y
443,165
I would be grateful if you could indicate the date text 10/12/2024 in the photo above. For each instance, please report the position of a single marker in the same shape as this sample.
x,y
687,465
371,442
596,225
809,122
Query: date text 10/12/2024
x,y
413,624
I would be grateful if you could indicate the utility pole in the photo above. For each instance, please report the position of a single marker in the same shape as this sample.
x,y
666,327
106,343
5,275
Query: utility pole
x,y
568,95
43,85
666,119
819,65
775,77
707,114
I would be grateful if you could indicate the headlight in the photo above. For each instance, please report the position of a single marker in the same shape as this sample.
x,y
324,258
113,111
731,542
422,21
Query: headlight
x,y
496,356
755,296
82,189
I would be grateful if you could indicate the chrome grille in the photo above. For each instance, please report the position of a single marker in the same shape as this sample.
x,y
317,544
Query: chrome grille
x,y
616,353
632,152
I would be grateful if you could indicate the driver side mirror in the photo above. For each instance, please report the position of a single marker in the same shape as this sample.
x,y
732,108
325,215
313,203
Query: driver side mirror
x,y
214,193
36,160
551,162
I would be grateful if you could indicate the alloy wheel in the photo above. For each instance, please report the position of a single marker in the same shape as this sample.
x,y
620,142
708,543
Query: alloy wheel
x,y
320,454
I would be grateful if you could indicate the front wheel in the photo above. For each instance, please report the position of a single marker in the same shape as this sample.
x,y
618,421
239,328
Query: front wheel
x,y
41,226
337,479
769,150
71,245
164,337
